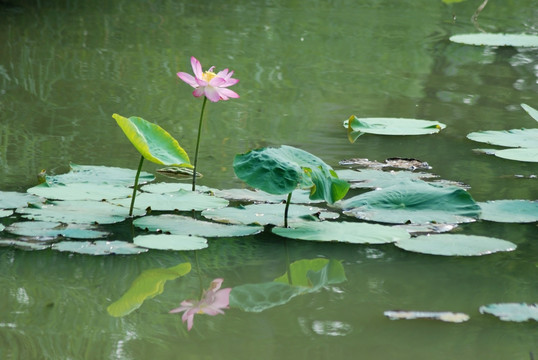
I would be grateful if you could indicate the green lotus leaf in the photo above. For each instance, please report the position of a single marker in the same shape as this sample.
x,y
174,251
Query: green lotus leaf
x,y
55,229
390,126
258,196
2,227
368,178
281,170
445,316
170,242
531,111
347,232
512,311
147,285
100,247
264,214
183,225
455,245
5,213
488,39
181,200
153,142
80,191
520,154
25,244
414,202
14,200
523,138
509,211
78,212
99,175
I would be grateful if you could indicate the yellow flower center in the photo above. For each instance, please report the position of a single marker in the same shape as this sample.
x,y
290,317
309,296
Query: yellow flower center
x,y
208,75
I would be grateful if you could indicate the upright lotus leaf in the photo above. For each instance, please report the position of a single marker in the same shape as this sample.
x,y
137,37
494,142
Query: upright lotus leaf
x,y
488,39
512,311
531,111
416,202
390,126
307,276
147,285
153,142
280,170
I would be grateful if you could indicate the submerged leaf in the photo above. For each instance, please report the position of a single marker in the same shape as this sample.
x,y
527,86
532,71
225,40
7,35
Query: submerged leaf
x,y
512,311
153,142
147,285
485,39
455,245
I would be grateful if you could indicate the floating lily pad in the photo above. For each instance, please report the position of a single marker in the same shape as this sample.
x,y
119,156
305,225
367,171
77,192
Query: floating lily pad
x,y
390,126
180,200
25,245
14,200
79,212
170,242
99,175
524,138
183,225
80,191
2,227
147,285
163,188
414,202
521,154
443,315
488,39
54,229
348,232
422,229
6,213
531,111
100,247
455,245
258,196
510,211
369,178
512,311
396,163
264,214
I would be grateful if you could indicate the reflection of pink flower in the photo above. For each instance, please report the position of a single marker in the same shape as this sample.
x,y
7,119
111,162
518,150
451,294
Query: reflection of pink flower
x,y
212,303
213,86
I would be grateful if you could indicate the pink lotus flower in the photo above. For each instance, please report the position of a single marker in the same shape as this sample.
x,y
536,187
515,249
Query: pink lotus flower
x,y
213,86
212,303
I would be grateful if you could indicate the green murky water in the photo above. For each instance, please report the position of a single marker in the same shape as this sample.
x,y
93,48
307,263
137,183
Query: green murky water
x,y
305,66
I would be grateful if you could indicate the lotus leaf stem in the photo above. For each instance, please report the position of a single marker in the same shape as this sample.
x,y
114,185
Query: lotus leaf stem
x,y
135,187
288,200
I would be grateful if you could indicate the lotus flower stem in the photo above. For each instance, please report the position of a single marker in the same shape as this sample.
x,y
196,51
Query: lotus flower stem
x,y
135,187
288,200
198,145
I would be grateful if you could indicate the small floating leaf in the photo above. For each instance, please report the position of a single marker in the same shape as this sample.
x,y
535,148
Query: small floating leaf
x,y
488,39
5,213
99,175
512,311
181,200
78,211
455,245
100,247
153,142
510,211
264,214
147,285
54,229
443,315
80,191
524,138
392,126
347,232
520,154
170,242
416,202
183,225
25,245
14,200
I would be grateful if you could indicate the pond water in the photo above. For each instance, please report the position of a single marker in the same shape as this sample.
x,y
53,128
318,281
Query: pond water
x,y
304,67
